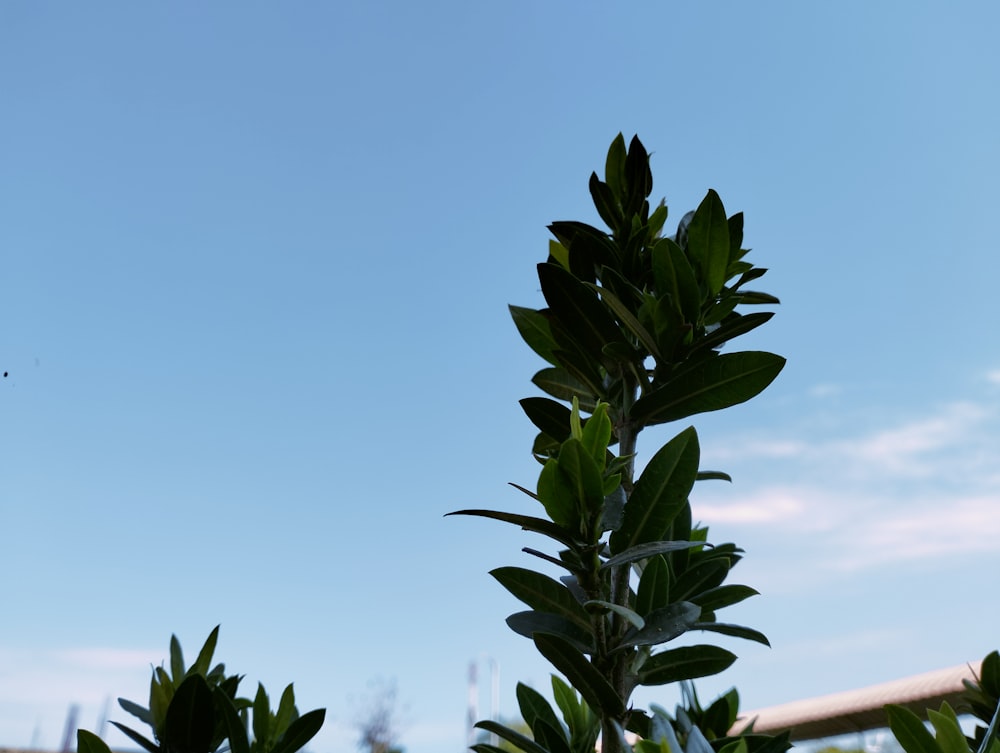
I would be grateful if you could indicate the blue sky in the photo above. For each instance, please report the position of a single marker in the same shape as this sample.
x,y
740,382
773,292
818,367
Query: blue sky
x,y
256,259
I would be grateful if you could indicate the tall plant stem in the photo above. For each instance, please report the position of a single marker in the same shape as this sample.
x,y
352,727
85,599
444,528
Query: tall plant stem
x,y
610,727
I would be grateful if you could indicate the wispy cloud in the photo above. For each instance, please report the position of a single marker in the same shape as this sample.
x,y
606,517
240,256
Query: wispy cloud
x,y
922,486
49,682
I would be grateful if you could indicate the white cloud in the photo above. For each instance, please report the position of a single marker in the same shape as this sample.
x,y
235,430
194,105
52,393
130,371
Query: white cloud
x,y
825,390
38,687
923,487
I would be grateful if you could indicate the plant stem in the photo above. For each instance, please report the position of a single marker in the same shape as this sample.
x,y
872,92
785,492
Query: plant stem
x,y
615,673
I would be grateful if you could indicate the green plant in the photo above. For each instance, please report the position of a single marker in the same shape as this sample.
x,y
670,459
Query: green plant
x,y
983,699
714,722
983,696
948,737
631,332
196,709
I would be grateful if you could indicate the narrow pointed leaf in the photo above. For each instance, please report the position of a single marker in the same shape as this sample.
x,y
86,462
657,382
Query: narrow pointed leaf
x,y
731,329
716,383
685,663
911,733
629,321
262,717
542,593
176,660
137,738
532,624
660,493
700,578
527,523
736,631
190,722
534,708
562,385
708,240
204,661
535,331
628,614
573,303
723,596
548,416
663,625
754,298
948,732
88,742
654,586
236,731
515,738
300,732
647,550
714,476
136,710
581,673
614,166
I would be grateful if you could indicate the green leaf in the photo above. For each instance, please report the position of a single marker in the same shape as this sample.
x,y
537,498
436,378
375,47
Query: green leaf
x,y
949,735
552,738
581,721
754,298
262,718
562,385
614,167
606,606
645,551
581,673
604,201
736,631
88,742
176,660
532,624
559,253
550,417
286,711
735,235
596,436
714,476
556,492
527,523
654,586
204,661
713,384
535,331
137,738
701,577
731,328
542,593
535,709
685,663
909,731
659,493
708,241
300,732
675,278
586,319
518,740
662,625
629,321
190,722
723,596
577,467
137,711
233,725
